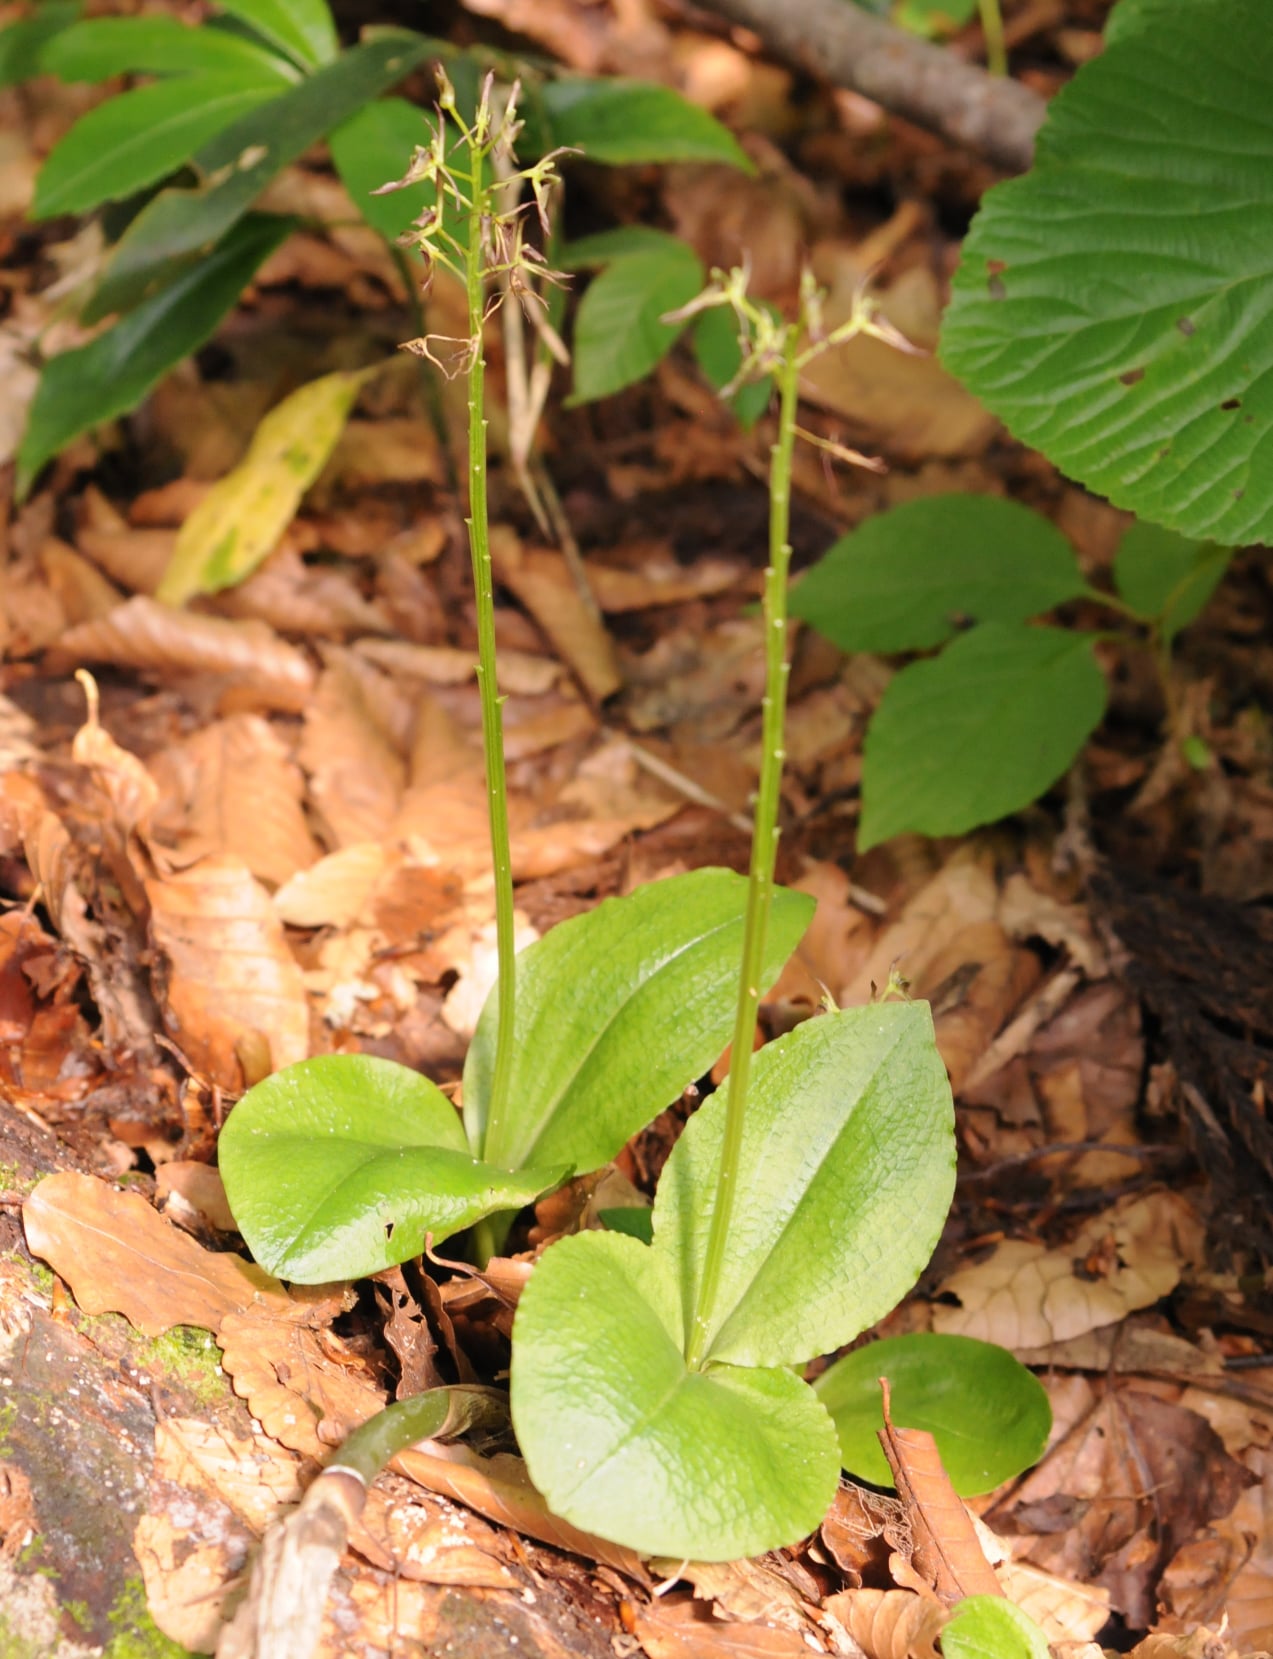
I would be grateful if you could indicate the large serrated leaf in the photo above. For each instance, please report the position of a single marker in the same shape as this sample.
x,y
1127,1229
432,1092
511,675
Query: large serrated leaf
x,y
618,121
906,577
978,732
342,1165
172,231
989,1415
617,1010
847,1171
625,1441
137,138
1115,306
238,523
114,372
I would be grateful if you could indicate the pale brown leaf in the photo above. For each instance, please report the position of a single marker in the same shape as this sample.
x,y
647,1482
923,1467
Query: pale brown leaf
x,y
144,634
541,579
356,772
231,975
520,672
686,1630
889,1624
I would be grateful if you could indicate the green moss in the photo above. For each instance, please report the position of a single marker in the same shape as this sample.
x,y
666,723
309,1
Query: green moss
x,y
8,1417
13,1180
190,1354
16,1646
137,1636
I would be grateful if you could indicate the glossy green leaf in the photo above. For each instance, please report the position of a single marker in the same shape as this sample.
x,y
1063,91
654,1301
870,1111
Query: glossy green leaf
x,y
849,1127
624,1441
617,1010
301,28
172,231
978,732
100,47
636,1220
989,1415
1162,574
718,353
619,121
113,373
237,524
620,334
603,247
341,1165
991,1627
23,44
373,148
137,138
1100,317
905,578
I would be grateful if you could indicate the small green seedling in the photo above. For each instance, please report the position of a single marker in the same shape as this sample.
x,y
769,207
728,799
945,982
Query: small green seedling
x,y
656,1390
991,722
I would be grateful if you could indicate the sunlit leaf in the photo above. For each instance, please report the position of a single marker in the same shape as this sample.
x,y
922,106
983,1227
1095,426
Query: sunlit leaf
x,y
906,577
989,1415
238,523
341,1165
978,732
114,372
302,28
849,1126
625,1441
990,1627
1092,315
619,330
617,1010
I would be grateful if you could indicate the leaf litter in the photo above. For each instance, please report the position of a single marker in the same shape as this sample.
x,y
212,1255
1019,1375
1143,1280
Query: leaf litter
x,y
270,842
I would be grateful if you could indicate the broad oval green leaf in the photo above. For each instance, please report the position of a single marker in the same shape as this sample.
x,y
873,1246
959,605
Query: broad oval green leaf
x,y
341,1165
978,732
904,579
1094,316
847,1171
618,121
302,28
620,334
603,247
238,522
372,148
623,1440
173,230
137,138
1167,576
991,1627
100,47
719,353
23,44
112,374
617,1010
989,1415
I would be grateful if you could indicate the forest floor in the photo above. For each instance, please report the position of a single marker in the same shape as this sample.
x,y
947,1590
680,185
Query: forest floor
x,y
270,841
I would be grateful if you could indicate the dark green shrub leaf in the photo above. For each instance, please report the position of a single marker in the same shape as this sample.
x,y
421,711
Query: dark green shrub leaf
x,y
618,121
719,354
991,1627
989,1415
617,1010
619,331
137,138
605,246
301,28
904,579
339,1166
114,372
978,732
104,46
22,45
1091,316
173,230
636,1220
850,1127
373,148
1162,574
623,1440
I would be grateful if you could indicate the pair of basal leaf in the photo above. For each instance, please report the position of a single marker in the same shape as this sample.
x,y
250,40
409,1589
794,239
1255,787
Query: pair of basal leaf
x,y
342,1165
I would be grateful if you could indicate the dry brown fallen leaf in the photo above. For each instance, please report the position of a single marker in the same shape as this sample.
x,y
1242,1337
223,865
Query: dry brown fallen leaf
x,y
688,1630
356,773
521,673
231,976
1024,1295
232,787
145,634
889,1624
199,1186
297,598
119,1256
541,579
652,575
